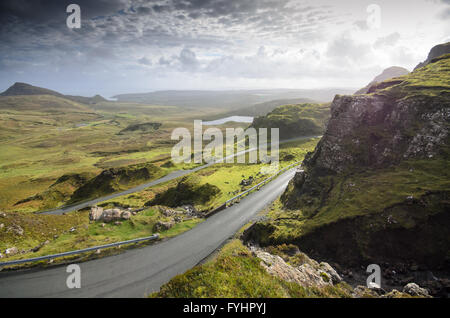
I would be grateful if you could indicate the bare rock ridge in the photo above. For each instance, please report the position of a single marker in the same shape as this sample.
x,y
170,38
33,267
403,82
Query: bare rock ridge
x,y
435,52
390,72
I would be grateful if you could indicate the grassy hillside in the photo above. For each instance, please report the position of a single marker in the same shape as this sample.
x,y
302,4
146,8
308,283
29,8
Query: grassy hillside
x,y
41,103
296,120
23,89
376,189
235,272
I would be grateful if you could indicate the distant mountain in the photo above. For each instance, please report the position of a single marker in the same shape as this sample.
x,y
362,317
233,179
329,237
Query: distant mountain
x,y
86,100
436,51
19,89
27,89
390,72
41,103
262,109
231,99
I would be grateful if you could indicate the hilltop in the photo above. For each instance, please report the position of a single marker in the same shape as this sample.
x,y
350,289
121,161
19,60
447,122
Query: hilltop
x,y
24,89
436,51
390,72
296,120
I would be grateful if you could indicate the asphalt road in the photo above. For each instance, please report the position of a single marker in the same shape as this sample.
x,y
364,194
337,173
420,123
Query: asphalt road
x,y
170,176
138,272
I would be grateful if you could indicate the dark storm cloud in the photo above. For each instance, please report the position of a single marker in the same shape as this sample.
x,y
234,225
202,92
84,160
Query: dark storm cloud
x,y
137,42
48,11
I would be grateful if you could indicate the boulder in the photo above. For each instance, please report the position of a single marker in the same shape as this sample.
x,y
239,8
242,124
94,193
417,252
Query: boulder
x,y
126,215
331,272
111,215
246,182
166,211
16,229
11,251
2,215
96,213
415,290
190,210
163,226
376,288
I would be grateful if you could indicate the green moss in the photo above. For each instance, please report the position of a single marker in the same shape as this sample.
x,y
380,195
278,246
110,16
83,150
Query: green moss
x,y
325,277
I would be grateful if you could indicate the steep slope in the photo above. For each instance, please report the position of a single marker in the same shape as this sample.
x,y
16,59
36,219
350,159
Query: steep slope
x,y
296,120
377,187
116,179
391,72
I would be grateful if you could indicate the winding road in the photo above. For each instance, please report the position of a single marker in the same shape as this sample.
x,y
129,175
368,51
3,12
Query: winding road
x,y
138,272
170,176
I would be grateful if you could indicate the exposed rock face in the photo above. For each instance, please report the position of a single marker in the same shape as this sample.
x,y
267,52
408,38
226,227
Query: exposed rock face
x,y
375,131
11,251
390,72
335,277
163,226
110,215
415,290
96,213
404,123
305,275
435,52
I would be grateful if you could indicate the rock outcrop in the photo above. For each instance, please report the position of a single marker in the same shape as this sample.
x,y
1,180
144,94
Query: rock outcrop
x,y
109,215
375,189
390,72
415,290
306,274
435,52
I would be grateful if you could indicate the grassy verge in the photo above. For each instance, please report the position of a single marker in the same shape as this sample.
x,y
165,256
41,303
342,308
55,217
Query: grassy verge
x,y
235,272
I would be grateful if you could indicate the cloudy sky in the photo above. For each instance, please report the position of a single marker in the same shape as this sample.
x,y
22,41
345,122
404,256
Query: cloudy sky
x,y
126,46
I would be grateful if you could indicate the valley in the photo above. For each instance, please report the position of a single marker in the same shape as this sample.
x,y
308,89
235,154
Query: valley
x,y
101,172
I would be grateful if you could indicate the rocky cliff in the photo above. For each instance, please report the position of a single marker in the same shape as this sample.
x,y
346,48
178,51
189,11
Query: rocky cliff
x,y
376,189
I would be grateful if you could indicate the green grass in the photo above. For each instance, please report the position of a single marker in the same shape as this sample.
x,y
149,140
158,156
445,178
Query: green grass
x,y
226,177
234,272
38,229
296,120
359,194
